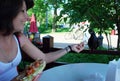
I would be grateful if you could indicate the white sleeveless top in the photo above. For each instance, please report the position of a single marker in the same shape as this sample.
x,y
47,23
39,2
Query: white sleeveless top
x,y
9,70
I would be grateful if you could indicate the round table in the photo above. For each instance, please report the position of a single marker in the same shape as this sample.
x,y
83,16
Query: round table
x,y
73,72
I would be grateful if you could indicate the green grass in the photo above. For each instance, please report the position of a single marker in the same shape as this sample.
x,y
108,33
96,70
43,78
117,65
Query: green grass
x,y
86,58
43,29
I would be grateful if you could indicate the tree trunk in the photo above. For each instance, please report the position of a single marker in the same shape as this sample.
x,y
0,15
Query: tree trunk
x,y
118,28
54,25
107,40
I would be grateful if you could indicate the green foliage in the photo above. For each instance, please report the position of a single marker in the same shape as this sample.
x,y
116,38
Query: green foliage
x,y
101,48
100,13
62,29
43,29
39,9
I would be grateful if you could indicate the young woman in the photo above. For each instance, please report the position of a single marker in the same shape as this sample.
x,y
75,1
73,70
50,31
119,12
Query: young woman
x,y
13,16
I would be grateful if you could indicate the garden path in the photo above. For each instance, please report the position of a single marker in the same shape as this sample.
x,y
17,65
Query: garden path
x,y
61,42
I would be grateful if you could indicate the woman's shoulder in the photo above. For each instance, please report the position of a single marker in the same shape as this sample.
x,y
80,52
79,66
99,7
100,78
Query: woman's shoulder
x,y
22,38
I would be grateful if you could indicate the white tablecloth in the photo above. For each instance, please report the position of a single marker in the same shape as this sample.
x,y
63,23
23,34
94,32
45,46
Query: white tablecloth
x,y
73,72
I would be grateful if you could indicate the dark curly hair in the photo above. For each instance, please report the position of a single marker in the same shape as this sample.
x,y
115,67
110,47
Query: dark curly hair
x,y
9,10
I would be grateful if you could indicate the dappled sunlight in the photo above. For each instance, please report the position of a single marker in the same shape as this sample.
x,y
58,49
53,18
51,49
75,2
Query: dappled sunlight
x,y
61,42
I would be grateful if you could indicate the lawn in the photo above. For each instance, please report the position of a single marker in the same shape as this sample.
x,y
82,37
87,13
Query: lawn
x,y
86,58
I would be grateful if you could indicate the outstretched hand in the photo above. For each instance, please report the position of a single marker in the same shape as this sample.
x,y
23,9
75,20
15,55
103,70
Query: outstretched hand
x,y
77,47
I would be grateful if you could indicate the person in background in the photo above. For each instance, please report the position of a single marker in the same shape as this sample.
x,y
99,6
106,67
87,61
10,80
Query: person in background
x,y
13,16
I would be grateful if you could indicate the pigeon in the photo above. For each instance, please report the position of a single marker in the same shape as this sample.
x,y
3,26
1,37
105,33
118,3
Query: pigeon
x,y
93,41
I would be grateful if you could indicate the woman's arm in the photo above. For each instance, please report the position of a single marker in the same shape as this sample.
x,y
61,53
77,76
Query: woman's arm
x,y
36,53
57,54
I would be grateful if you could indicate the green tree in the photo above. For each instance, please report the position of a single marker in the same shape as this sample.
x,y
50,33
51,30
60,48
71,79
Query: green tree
x,y
101,13
39,10
42,10
55,4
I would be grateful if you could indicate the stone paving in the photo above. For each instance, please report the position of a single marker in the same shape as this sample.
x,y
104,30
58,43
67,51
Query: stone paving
x,y
61,42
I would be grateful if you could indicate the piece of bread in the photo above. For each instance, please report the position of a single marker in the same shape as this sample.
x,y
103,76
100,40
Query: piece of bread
x,y
32,71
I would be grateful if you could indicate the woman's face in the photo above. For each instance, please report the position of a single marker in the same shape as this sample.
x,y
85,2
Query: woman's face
x,y
20,19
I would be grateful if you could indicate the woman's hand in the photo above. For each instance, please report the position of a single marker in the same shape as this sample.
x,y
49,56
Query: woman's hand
x,y
77,47
36,78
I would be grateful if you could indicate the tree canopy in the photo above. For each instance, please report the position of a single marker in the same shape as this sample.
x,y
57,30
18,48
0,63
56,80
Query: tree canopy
x,y
102,14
